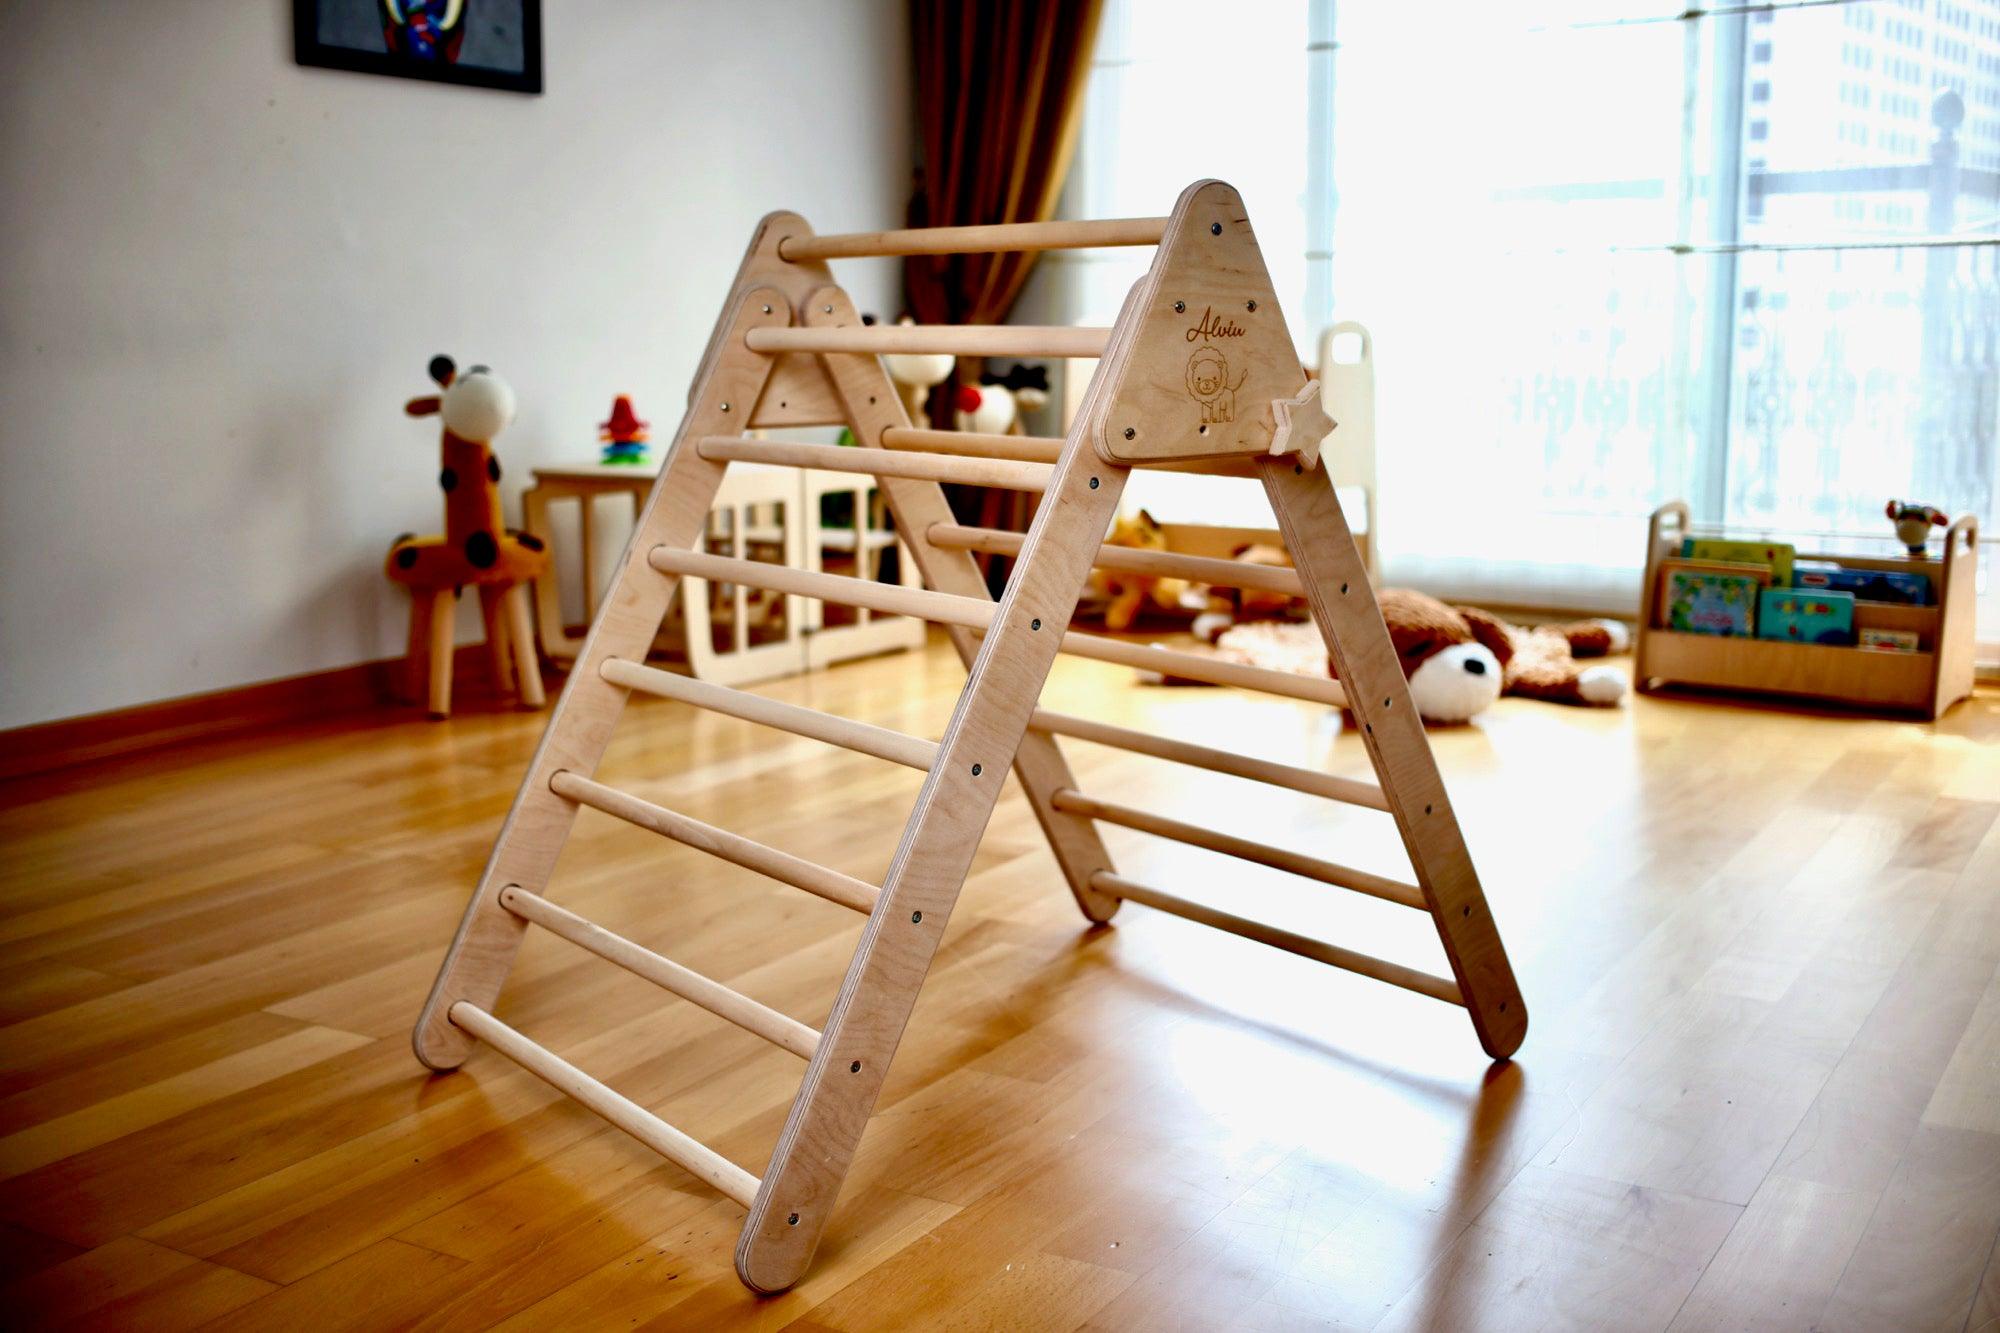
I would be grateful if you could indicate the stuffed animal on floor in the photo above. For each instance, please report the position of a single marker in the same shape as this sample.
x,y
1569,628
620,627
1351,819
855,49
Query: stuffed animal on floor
x,y
1224,608
1123,597
1458,659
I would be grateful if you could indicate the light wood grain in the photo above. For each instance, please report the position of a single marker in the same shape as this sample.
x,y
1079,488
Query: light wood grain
x,y
1062,235
932,339
965,471
1242,1144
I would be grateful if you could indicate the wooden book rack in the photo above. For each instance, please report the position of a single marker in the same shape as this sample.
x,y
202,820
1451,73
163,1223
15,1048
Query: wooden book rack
x,y
1199,374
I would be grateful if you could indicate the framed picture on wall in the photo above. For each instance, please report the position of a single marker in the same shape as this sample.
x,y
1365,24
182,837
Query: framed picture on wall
x,y
483,43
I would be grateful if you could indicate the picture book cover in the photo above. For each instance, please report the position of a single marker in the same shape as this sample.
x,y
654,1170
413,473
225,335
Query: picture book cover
x,y
1903,587
1778,556
1699,602
1664,592
1889,640
1806,615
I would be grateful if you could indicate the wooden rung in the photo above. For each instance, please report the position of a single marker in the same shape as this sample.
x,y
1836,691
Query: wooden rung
x,y
975,240
877,462
1305,780
712,995
1312,867
934,339
1409,978
975,444
782,866
945,608
697,1158
1214,670
809,722
1132,560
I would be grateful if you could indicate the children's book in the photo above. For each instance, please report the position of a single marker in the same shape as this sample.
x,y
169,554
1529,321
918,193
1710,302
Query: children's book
x,y
1777,556
1889,640
1905,587
1701,602
1664,593
1806,615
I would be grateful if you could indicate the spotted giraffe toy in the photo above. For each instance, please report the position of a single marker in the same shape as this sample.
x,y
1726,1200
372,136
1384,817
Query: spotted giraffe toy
x,y
476,548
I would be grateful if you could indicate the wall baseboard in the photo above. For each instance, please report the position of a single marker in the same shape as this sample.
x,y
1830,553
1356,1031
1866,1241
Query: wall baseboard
x,y
316,696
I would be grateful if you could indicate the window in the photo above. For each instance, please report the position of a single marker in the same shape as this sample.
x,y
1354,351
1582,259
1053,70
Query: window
x,y
1595,280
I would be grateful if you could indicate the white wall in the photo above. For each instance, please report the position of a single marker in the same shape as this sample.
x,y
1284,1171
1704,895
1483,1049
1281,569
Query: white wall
x,y
221,274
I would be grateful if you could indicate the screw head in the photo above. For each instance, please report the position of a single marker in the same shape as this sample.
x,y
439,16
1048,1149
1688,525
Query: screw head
x,y
976,770
1215,229
854,1068
1250,305
725,407
826,309
1036,623
792,1221
1093,483
767,309
1129,432
916,917
1180,307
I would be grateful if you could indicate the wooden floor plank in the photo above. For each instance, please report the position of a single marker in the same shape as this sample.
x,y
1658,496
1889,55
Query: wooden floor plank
x,y
1758,1090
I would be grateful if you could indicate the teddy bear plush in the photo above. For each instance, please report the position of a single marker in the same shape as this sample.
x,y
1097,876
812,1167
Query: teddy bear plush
x,y
1458,659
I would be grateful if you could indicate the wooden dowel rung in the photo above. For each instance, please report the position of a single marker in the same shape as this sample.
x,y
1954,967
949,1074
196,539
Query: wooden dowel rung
x,y
975,444
1278,858
738,1008
1367,965
733,847
935,339
1132,560
808,722
945,608
975,240
695,1157
1306,780
1015,476
1214,670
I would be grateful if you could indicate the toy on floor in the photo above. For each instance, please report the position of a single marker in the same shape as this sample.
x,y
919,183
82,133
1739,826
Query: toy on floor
x,y
1224,608
624,435
476,548
1121,597
1914,524
1458,659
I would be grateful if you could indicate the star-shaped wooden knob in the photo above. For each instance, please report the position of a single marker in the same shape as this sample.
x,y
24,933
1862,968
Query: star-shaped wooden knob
x,y
1302,424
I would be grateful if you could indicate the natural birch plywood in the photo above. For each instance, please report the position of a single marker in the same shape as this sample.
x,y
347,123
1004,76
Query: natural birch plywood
x,y
788,331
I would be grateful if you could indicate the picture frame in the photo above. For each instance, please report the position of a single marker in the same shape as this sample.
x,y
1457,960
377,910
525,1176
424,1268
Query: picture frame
x,y
475,43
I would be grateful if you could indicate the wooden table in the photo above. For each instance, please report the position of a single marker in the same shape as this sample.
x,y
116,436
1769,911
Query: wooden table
x,y
761,512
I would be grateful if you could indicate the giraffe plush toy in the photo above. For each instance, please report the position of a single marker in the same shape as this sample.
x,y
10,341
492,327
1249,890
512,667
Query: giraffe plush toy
x,y
476,548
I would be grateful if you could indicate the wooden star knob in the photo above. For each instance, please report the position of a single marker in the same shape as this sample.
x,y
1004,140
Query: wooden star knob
x,y
1302,424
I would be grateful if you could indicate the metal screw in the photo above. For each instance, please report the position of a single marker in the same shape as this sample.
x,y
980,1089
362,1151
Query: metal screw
x,y
767,310
854,1068
1180,307
975,770
1129,432
1215,229
827,309
916,917
1093,483
1250,305
1035,624
792,1221
725,407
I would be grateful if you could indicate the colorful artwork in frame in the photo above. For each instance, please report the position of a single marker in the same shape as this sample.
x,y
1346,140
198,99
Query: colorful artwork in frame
x,y
482,43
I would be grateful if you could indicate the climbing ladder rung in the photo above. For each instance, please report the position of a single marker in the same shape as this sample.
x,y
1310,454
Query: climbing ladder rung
x,y
877,462
751,855
808,722
975,444
1305,780
712,995
1193,666
992,238
934,339
1367,965
1131,560
945,608
1194,835
697,1158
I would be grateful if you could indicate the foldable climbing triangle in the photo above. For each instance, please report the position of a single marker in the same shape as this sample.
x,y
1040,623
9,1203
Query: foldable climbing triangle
x,y
1198,373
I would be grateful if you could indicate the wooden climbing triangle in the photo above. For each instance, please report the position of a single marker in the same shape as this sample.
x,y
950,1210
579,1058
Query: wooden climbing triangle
x,y
1198,373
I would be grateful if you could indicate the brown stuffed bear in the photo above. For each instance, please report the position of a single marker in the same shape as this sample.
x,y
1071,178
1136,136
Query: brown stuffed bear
x,y
1458,659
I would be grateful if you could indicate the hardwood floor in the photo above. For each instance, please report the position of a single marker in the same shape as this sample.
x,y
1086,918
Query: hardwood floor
x,y
1761,1085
